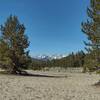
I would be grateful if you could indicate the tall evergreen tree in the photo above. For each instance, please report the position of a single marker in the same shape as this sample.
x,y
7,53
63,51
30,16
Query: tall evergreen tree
x,y
92,29
13,44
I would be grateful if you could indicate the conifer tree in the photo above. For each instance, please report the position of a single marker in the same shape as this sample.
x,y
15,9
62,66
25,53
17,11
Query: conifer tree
x,y
92,29
13,44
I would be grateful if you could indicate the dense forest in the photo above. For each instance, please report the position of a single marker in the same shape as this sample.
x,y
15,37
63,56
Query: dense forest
x,y
72,60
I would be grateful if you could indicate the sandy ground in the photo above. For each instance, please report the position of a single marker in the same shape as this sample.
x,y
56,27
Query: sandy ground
x,y
76,86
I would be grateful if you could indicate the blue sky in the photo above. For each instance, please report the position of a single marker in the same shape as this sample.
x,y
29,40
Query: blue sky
x,y
53,26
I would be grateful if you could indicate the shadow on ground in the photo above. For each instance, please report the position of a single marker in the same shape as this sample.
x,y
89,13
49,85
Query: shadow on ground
x,y
27,74
42,75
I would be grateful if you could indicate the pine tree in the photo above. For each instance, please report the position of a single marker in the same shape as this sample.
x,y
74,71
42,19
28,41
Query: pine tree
x,y
13,44
92,29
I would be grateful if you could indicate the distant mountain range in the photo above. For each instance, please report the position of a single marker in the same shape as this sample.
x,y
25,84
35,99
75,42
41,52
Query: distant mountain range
x,y
45,57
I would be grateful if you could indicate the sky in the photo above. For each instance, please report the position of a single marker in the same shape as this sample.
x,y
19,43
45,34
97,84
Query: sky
x,y
52,26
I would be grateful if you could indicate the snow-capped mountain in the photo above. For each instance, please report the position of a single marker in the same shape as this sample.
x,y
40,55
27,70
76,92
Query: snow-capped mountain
x,y
46,57
43,57
58,56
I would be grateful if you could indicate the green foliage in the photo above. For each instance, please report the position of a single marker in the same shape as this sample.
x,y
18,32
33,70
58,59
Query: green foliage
x,y
72,60
37,64
13,45
92,29
90,63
